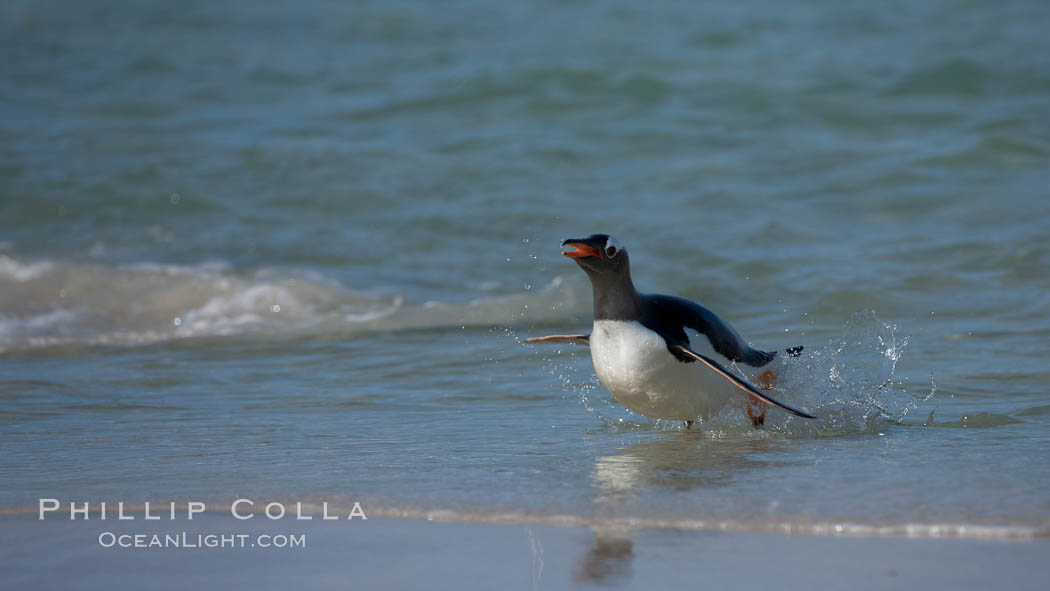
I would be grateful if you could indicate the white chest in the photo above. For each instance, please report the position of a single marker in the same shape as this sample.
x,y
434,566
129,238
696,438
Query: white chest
x,y
627,355
633,363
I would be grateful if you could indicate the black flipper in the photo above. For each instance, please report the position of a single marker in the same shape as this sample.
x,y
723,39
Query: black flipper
x,y
575,339
663,309
739,383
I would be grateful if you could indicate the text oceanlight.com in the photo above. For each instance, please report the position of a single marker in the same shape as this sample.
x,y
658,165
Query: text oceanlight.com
x,y
187,540
152,512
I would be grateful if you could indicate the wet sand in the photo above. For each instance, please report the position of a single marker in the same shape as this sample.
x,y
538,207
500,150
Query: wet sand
x,y
390,553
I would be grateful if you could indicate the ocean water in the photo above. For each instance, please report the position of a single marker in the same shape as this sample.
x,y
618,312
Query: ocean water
x,y
292,250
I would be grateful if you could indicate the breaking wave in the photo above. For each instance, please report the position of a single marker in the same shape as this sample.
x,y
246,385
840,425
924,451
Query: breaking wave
x,y
46,303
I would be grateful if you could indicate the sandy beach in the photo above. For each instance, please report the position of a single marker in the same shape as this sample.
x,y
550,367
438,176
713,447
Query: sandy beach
x,y
390,553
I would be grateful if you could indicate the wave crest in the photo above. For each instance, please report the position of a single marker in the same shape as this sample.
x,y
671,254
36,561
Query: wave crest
x,y
49,303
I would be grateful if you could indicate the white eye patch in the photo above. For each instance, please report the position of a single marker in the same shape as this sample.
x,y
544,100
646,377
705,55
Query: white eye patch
x,y
612,247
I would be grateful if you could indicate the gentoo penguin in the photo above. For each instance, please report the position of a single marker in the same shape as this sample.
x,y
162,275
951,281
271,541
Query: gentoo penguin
x,y
642,353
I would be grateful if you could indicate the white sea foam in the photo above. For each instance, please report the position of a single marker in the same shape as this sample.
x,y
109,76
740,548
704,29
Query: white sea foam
x,y
796,526
21,271
207,268
51,303
13,328
1005,532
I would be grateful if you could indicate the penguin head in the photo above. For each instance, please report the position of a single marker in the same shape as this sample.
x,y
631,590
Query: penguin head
x,y
598,254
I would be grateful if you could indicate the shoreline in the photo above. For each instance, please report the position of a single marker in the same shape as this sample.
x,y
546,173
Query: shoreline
x,y
291,513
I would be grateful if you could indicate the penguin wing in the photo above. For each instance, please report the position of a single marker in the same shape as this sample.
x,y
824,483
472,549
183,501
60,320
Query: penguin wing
x,y
724,339
576,339
739,383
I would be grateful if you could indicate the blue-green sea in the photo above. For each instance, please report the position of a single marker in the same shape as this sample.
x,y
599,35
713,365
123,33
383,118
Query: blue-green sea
x,y
291,250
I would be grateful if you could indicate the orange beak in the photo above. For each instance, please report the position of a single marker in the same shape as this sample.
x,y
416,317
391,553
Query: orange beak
x,y
582,250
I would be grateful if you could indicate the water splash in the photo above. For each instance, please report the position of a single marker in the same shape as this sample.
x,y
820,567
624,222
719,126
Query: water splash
x,y
850,382
578,380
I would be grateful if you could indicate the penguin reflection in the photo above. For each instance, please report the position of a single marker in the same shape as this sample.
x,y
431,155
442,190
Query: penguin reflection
x,y
683,462
687,461
609,559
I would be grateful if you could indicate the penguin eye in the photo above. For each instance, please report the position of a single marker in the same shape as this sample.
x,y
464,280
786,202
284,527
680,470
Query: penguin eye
x,y
612,247
610,251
